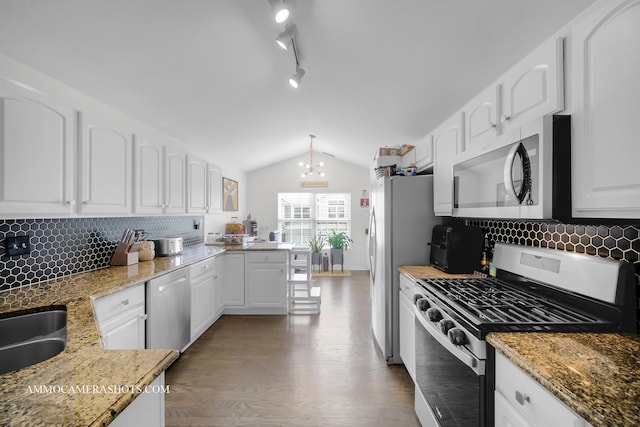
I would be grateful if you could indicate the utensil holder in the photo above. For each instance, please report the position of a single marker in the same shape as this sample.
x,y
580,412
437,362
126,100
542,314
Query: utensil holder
x,y
124,255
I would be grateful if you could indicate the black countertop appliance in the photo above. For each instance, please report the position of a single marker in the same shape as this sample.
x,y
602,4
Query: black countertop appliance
x,y
456,249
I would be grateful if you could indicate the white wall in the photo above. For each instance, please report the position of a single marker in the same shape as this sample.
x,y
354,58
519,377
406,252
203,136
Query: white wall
x,y
284,177
19,73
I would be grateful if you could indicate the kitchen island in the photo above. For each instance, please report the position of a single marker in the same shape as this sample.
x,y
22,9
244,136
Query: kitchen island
x,y
595,375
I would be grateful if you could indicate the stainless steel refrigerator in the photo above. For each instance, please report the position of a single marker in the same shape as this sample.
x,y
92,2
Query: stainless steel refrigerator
x,y
400,225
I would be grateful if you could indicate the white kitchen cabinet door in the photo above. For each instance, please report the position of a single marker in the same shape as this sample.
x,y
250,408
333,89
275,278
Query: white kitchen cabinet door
x,y
147,409
196,185
407,326
527,398
121,318
219,293
535,86
175,181
448,142
125,332
37,146
214,189
232,278
421,156
266,281
204,277
482,119
106,162
148,176
605,148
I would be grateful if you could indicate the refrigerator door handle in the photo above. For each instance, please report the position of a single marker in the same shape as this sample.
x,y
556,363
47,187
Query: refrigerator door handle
x,y
372,243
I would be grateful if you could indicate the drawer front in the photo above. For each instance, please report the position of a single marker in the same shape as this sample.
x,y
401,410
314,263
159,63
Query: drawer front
x,y
121,301
535,403
267,256
202,268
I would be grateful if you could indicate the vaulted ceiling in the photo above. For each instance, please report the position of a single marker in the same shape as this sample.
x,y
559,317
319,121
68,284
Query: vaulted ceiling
x,y
208,72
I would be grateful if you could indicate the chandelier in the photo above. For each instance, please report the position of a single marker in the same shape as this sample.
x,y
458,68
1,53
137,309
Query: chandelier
x,y
309,168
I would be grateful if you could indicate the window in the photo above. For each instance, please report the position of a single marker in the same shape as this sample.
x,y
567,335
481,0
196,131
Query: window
x,y
304,215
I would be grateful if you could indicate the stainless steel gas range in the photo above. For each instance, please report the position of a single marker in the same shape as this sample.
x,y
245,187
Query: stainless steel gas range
x,y
536,289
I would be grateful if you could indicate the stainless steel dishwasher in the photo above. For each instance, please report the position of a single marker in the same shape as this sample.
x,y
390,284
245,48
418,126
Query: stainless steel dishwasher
x,y
169,311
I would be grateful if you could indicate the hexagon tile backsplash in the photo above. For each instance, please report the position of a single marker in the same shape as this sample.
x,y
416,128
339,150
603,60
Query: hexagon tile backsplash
x,y
608,241
64,246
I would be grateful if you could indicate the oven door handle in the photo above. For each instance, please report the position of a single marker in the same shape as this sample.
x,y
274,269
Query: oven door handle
x,y
459,352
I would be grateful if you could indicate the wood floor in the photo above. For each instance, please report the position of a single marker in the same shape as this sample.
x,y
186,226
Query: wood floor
x,y
296,370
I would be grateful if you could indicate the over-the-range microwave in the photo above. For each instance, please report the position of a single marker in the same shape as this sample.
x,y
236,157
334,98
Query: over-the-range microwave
x,y
523,174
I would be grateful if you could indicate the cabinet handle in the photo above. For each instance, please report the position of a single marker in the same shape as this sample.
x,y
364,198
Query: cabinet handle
x,y
506,118
494,125
522,398
125,302
143,317
85,202
71,202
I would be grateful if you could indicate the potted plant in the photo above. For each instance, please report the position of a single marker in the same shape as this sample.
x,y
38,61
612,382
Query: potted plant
x,y
338,242
317,244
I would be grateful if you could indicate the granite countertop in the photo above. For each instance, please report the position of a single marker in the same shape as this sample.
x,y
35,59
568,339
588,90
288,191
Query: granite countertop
x,y
428,272
84,362
255,246
596,375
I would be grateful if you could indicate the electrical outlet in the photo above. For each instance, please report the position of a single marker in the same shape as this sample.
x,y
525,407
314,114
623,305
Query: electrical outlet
x,y
17,245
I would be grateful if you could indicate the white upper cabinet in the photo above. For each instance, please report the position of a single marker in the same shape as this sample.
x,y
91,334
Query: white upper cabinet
x,y
175,181
482,118
448,142
421,156
106,163
535,86
196,185
606,86
36,153
149,176
214,189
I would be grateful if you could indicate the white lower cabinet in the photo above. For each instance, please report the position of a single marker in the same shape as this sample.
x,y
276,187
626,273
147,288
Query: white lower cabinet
x,y
521,401
232,278
407,326
147,409
266,279
121,318
204,283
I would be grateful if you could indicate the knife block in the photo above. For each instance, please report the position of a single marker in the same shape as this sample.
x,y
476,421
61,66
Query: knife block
x,y
124,255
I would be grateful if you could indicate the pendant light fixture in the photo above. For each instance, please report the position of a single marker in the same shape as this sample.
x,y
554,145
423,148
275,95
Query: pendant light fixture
x,y
309,168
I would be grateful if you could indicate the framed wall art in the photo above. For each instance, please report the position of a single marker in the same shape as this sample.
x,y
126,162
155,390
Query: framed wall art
x,y
229,194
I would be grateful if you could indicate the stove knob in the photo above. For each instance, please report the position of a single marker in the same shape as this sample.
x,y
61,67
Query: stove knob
x,y
434,314
457,336
445,325
416,297
422,304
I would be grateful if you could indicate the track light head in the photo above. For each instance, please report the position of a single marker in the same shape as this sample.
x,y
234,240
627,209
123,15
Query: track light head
x,y
285,38
295,79
280,11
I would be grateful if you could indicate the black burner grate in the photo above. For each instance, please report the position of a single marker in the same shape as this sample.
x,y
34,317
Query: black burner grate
x,y
491,301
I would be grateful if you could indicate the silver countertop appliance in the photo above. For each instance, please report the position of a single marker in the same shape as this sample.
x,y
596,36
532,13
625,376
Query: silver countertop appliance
x,y
168,246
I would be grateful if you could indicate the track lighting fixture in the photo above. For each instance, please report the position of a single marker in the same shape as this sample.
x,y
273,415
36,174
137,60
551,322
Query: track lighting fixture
x,y
288,38
295,79
285,38
280,10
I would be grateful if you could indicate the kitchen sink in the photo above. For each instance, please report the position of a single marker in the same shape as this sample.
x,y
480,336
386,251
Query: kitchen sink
x,y
29,353
31,338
